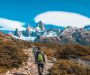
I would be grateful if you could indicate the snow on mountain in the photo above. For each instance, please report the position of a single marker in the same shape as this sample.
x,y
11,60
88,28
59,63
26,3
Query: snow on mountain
x,y
25,38
64,19
50,34
38,29
70,35
29,33
30,28
10,25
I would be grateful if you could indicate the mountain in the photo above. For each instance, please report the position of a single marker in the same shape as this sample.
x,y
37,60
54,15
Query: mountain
x,y
32,33
17,33
53,34
21,30
70,35
29,34
54,28
87,27
28,31
82,36
63,38
40,25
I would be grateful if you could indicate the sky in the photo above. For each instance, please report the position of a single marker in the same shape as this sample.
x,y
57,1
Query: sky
x,y
27,10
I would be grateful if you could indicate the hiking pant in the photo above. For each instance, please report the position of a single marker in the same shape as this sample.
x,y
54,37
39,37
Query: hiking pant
x,y
40,68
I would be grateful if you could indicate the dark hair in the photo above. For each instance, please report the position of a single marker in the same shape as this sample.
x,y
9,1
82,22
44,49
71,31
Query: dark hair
x,y
38,48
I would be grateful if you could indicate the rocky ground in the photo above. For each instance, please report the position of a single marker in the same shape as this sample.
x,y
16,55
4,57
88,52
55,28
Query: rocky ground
x,y
29,67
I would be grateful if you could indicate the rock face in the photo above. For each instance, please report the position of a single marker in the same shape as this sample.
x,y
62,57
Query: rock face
x,y
28,32
17,33
40,29
66,36
82,36
87,27
69,36
41,26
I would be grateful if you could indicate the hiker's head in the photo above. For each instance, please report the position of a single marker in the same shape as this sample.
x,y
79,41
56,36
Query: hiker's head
x,y
38,48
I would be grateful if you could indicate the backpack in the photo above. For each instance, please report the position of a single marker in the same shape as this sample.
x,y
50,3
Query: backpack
x,y
40,57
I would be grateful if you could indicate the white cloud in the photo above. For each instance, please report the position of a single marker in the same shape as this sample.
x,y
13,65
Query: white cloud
x,y
61,18
11,25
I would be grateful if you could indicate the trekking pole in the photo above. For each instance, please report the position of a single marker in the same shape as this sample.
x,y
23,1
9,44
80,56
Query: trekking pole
x,y
45,64
45,69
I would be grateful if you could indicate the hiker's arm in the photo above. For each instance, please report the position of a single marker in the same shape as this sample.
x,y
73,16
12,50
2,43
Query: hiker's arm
x,y
35,58
44,58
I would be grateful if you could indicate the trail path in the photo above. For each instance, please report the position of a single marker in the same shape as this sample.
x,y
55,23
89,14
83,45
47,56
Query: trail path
x,y
29,67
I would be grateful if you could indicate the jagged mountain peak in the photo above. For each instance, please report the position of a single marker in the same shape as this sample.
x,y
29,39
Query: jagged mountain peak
x,y
40,25
69,35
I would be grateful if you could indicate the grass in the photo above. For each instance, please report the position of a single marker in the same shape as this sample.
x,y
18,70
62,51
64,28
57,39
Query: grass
x,y
64,66
11,52
12,56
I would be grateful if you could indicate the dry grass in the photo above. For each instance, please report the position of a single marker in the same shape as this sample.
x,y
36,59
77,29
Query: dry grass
x,y
11,53
64,66
64,51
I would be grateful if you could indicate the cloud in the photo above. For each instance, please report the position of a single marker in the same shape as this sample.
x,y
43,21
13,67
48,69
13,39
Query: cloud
x,y
11,25
61,18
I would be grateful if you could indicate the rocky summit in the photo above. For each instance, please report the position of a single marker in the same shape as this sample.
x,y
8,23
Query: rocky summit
x,y
70,35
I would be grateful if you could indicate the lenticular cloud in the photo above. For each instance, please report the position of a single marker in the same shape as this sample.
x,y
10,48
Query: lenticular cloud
x,y
61,18
11,25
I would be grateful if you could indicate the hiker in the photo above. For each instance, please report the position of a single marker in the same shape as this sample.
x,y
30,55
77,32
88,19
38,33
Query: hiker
x,y
40,60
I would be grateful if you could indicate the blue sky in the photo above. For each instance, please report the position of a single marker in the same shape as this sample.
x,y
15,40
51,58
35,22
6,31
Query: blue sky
x,y
26,10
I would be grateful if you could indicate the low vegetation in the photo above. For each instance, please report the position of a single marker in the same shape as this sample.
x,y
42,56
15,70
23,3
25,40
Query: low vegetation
x,y
12,55
66,67
11,52
63,53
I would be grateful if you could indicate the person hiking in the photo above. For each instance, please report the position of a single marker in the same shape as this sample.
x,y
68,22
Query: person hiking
x,y
40,60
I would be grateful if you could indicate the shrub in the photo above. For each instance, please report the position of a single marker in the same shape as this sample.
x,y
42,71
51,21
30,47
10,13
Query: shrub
x,y
11,52
67,67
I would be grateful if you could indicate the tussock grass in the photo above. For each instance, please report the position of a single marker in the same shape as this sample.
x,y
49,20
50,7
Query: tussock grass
x,y
64,66
11,52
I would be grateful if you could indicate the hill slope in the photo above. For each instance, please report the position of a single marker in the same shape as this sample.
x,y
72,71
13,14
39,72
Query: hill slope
x,y
11,53
70,59
16,57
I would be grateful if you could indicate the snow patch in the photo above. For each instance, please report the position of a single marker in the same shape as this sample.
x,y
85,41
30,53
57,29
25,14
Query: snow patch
x,y
25,38
50,34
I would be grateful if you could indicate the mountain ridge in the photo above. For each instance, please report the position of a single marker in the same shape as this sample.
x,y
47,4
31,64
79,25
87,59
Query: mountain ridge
x,y
69,36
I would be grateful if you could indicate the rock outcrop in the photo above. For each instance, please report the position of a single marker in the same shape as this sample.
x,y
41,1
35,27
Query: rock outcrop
x,y
28,32
17,33
41,26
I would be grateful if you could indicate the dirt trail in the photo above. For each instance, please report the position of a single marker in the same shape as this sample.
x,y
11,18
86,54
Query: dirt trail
x,y
29,67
